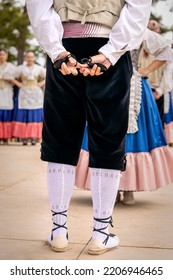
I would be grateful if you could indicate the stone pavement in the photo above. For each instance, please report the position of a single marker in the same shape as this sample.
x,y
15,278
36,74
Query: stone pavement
x,y
145,229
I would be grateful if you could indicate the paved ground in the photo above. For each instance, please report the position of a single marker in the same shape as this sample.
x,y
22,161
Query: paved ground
x,y
145,229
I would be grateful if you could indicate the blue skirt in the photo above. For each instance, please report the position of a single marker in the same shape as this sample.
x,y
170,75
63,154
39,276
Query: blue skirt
x,y
168,117
6,115
168,122
85,139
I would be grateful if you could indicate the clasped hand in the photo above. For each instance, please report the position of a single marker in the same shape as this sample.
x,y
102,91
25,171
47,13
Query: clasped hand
x,y
74,67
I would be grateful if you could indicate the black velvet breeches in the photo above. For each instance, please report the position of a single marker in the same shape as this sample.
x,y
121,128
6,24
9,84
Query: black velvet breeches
x,y
101,100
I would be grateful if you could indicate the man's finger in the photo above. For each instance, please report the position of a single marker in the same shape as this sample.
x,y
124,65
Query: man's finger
x,y
62,72
86,72
74,71
98,71
72,62
65,68
93,70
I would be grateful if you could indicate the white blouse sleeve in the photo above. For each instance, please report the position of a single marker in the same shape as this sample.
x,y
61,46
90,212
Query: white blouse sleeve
x,y
128,29
157,45
46,25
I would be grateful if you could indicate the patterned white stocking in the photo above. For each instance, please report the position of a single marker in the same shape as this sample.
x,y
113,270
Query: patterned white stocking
x,y
60,181
104,189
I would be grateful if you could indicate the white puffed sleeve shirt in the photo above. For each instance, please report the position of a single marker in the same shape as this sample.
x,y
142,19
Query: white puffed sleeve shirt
x,y
130,26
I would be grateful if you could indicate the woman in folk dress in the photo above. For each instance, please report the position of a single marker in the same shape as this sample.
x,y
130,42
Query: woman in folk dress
x,y
28,113
7,72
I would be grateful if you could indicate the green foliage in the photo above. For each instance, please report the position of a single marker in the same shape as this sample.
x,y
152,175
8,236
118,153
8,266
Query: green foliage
x,y
15,31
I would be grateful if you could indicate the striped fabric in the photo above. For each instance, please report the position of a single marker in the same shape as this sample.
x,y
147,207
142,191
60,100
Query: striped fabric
x,y
78,30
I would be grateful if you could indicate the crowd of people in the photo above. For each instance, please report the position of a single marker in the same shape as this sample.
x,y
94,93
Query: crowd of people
x,y
21,100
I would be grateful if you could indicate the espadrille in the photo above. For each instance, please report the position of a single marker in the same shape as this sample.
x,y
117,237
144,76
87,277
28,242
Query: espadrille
x,y
97,247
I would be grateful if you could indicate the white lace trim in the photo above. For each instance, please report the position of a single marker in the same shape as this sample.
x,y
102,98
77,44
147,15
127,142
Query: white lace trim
x,y
135,101
166,102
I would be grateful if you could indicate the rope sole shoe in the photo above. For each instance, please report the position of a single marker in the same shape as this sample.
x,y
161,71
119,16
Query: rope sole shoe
x,y
96,247
58,244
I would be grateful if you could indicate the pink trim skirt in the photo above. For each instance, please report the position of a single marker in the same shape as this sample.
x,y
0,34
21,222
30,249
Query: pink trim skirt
x,y
27,130
144,172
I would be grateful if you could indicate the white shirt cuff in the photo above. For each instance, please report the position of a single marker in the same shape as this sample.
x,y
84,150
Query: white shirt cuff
x,y
109,52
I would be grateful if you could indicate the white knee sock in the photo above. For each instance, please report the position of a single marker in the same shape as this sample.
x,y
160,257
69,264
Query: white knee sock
x,y
104,188
60,181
